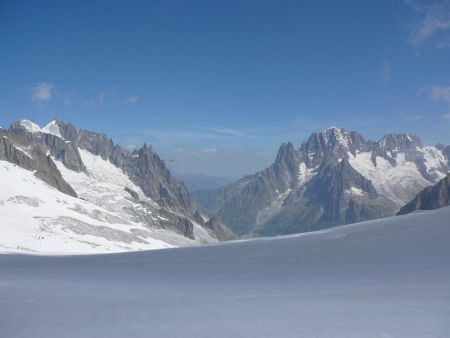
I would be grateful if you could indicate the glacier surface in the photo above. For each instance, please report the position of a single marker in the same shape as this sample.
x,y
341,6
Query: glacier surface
x,y
37,218
382,278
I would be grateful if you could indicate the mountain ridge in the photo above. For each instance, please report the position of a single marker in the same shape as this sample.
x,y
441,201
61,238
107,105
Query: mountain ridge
x,y
368,179
128,190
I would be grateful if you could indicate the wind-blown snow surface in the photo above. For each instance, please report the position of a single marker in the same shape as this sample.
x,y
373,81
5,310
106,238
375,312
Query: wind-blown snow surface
x,y
36,217
383,278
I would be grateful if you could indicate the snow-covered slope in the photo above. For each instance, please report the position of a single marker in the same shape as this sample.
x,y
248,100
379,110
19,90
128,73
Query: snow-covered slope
x,y
379,279
397,182
104,184
52,128
38,218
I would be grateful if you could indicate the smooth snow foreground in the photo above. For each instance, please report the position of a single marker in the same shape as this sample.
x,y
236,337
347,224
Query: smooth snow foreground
x,y
383,278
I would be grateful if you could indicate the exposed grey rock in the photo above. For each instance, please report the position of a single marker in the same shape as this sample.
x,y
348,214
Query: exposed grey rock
x,y
446,151
64,151
33,158
61,149
222,232
430,198
133,193
327,201
148,171
178,223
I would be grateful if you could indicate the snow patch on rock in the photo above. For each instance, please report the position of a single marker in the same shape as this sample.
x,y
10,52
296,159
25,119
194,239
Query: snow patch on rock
x,y
355,191
305,173
52,128
30,126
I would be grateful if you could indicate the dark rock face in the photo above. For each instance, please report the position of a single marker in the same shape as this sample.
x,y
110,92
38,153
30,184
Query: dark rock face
x,y
239,203
327,201
64,151
218,228
35,159
177,223
149,172
434,197
143,166
132,193
315,186
446,151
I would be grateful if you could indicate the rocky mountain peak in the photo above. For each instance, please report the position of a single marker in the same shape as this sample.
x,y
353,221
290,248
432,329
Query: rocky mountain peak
x,y
399,142
286,153
332,142
334,134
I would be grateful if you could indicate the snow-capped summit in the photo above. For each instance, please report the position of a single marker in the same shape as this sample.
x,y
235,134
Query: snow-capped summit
x,y
334,134
51,128
30,126
333,143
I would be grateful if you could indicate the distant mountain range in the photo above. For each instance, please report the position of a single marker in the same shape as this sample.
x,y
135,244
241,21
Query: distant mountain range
x,y
335,177
65,189
199,182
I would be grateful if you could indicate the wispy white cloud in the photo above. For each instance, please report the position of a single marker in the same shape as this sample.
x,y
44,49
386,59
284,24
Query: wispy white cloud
x,y
209,151
226,131
94,101
177,135
42,91
411,119
196,133
432,19
436,93
132,99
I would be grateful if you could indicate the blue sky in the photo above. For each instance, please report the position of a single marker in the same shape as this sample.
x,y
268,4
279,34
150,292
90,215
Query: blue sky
x,y
218,85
